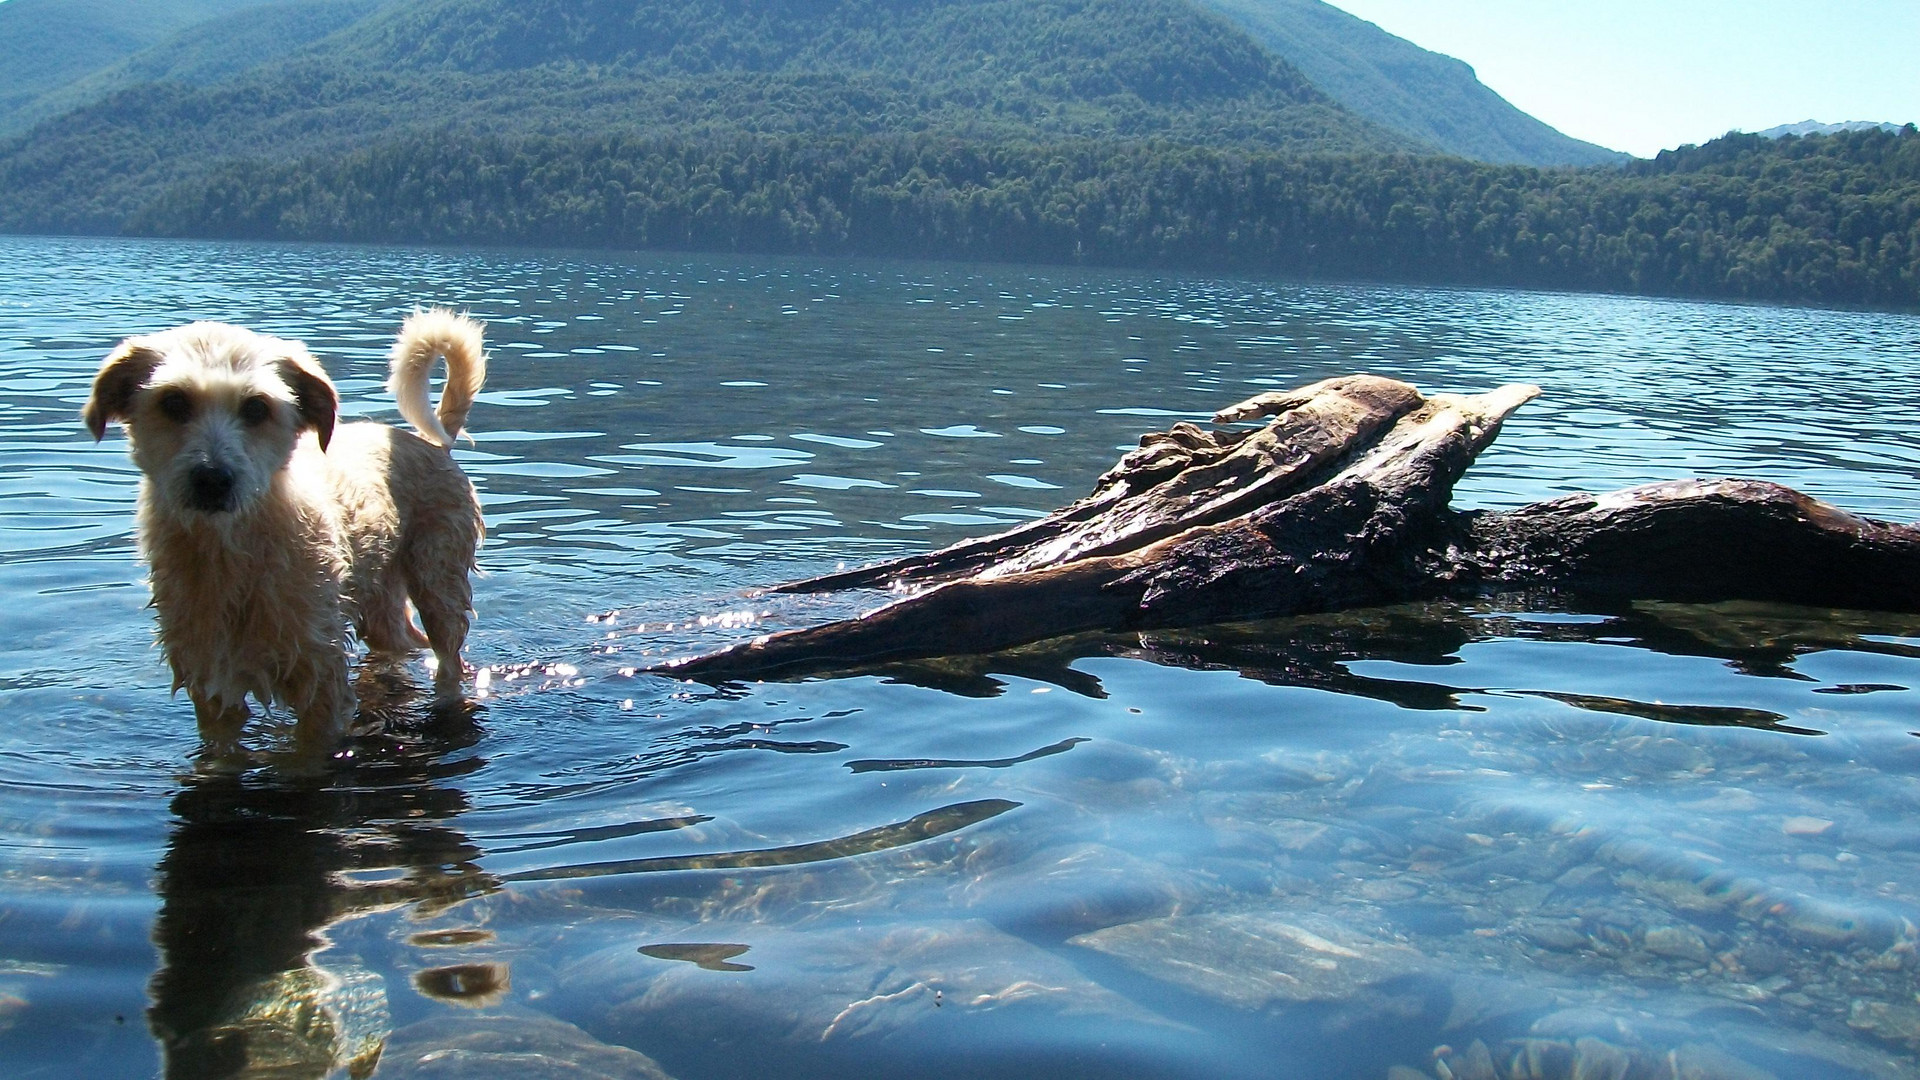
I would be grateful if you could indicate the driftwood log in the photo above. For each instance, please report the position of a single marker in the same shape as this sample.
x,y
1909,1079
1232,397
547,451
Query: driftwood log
x,y
1339,500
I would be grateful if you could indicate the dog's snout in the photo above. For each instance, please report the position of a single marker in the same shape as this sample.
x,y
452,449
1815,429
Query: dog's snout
x,y
210,487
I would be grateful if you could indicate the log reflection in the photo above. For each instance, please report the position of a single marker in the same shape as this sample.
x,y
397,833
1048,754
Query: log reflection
x,y
1318,651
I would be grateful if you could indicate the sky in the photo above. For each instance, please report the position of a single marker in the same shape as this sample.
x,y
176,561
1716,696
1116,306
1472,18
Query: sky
x,y
1648,75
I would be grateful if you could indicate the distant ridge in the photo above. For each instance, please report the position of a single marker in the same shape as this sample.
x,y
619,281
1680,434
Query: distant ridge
x,y
1405,88
1815,127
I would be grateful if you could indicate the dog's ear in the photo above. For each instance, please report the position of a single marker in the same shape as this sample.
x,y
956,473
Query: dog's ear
x,y
125,370
313,393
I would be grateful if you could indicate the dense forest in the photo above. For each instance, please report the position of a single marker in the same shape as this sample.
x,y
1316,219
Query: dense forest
x,y
1832,218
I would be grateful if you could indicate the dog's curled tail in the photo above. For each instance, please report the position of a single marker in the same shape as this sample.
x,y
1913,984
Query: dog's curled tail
x,y
427,335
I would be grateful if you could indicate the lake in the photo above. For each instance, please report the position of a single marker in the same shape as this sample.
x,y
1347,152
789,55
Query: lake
x,y
1506,838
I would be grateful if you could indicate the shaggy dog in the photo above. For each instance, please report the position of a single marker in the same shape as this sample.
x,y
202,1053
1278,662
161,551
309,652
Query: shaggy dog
x,y
268,529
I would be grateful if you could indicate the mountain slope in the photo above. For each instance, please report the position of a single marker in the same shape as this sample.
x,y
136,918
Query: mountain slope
x,y
46,44
203,53
1403,87
1035,70
1158,50
1429,99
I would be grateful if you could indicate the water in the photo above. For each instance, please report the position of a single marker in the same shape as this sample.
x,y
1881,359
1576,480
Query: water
x,y
1501,834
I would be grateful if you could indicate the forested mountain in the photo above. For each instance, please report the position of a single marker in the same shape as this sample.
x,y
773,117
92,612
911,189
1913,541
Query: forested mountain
x,y
976,69
46,44
1428,97
1117,132
1432,100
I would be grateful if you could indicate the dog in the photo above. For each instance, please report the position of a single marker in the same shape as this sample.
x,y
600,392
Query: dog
x,y
269,530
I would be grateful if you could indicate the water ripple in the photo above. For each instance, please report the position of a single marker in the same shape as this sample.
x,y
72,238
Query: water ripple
x,y
1564,804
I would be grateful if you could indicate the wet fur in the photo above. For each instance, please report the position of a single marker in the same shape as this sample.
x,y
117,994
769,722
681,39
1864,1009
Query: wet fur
x,y
305,527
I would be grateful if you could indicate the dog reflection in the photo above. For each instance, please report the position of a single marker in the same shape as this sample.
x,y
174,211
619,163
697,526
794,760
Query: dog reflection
x,y
258,867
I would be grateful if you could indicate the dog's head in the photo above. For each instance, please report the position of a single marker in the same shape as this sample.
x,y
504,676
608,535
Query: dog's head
x,y
213,411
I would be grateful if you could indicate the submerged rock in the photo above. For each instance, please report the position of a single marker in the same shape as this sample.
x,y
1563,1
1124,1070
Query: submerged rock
x,y
1587,1057
921,984
1893,1021
509,1048
1597,1059
1556,935
1071,889
1254,959
1677,943
307,1022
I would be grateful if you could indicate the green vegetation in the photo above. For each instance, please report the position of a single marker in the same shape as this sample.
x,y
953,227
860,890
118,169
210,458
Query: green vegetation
x,y
1425,96
1830,218
47,44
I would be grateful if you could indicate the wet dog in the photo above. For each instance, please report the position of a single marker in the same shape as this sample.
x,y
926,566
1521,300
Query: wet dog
x,y
268,529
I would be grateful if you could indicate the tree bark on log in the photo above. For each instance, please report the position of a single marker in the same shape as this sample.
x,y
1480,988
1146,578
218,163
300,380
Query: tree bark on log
x,y
1340,500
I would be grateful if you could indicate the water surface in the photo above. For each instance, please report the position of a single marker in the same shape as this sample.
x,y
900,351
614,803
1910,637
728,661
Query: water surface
x,y
1510,837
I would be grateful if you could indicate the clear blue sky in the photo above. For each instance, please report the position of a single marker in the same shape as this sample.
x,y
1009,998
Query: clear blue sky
x,y
1647,75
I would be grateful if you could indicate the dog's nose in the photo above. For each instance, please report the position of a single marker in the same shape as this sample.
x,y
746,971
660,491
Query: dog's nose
x,y
211,487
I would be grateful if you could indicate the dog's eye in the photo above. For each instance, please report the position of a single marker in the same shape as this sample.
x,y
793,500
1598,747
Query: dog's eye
x,y
176,406
255,410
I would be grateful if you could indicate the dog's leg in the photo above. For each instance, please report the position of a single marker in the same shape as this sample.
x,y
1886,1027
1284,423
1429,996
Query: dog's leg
x,y
444,598
435,565
445,617
382,618
322,700
220,723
